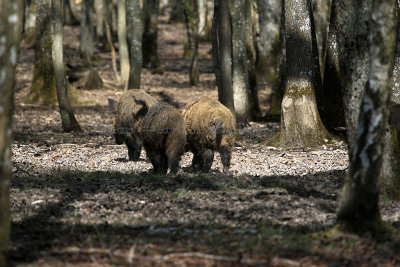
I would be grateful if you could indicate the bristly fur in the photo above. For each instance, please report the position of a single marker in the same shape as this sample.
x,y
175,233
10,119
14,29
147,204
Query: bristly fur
x,y
164,137
131,109
210,127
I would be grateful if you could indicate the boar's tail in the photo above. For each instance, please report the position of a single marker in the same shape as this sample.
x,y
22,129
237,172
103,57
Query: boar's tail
x,y
144,109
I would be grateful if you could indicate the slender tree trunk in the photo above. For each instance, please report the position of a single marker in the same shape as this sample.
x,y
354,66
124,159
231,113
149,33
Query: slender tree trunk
x,y
150,54
240,78
30,22
110,41
321,10
215,45
358,209
69,18
135,34
222,47
278,88
122,44
100,22
87,30
301,125
269,14
9,34
67,116
192,30
331,104
43,90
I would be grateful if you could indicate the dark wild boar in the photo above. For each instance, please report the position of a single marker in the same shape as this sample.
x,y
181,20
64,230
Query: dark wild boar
x,y
164,137
131,109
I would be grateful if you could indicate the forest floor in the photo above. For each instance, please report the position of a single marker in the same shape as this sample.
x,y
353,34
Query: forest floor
x,y
77,201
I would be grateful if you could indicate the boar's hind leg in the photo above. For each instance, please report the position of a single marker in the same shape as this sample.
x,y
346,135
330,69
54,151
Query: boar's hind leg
x,y
225,158
134,148
208,157
197,161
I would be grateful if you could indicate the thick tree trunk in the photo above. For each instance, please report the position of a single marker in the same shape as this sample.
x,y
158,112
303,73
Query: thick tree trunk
x,y
43,90
67,116
269,14
122,44
390,174
301,125
9,34
135,34
150,14
87,30
358,209
192,31
240,78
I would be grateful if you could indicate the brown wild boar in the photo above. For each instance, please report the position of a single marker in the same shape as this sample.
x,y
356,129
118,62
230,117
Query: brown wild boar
x,y
164,137
210,127
131,109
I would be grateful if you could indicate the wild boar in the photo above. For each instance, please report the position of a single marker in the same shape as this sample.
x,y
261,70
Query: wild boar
x,y
210,127
130,110
164,137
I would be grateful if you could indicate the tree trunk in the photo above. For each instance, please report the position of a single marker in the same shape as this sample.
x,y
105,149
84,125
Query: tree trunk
x,y
358,207
43,90
100,31
108,27
30,23
352,26
269,14
321,10
87,30
192,31
69,18
390,174
135,34
222,53
67,116
9,34
240,77
278,87
301,125
122,44
150,54
331,104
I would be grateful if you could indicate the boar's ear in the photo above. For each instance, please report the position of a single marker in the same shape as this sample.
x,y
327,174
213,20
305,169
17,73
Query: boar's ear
x,y
214,128
112,105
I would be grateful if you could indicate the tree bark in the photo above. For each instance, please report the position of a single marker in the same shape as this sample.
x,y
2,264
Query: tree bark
x,y
150,14
9,34
301,125
43,90
100,22
390,174
240,77
269,16
67,116
29,35
192,30
358,207
122,44
135,34
222,53
321,10
87,30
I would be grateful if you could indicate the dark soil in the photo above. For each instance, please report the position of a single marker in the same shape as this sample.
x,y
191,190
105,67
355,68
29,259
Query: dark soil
x,y
77,201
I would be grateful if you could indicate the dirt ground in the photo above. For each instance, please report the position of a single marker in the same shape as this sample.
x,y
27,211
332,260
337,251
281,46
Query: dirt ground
x,y
77,201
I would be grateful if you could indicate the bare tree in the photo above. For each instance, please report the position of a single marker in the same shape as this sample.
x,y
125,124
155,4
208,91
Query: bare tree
x,y
149,48
191,11
67,116
87,30
9,34
301,125
135,34
358,209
